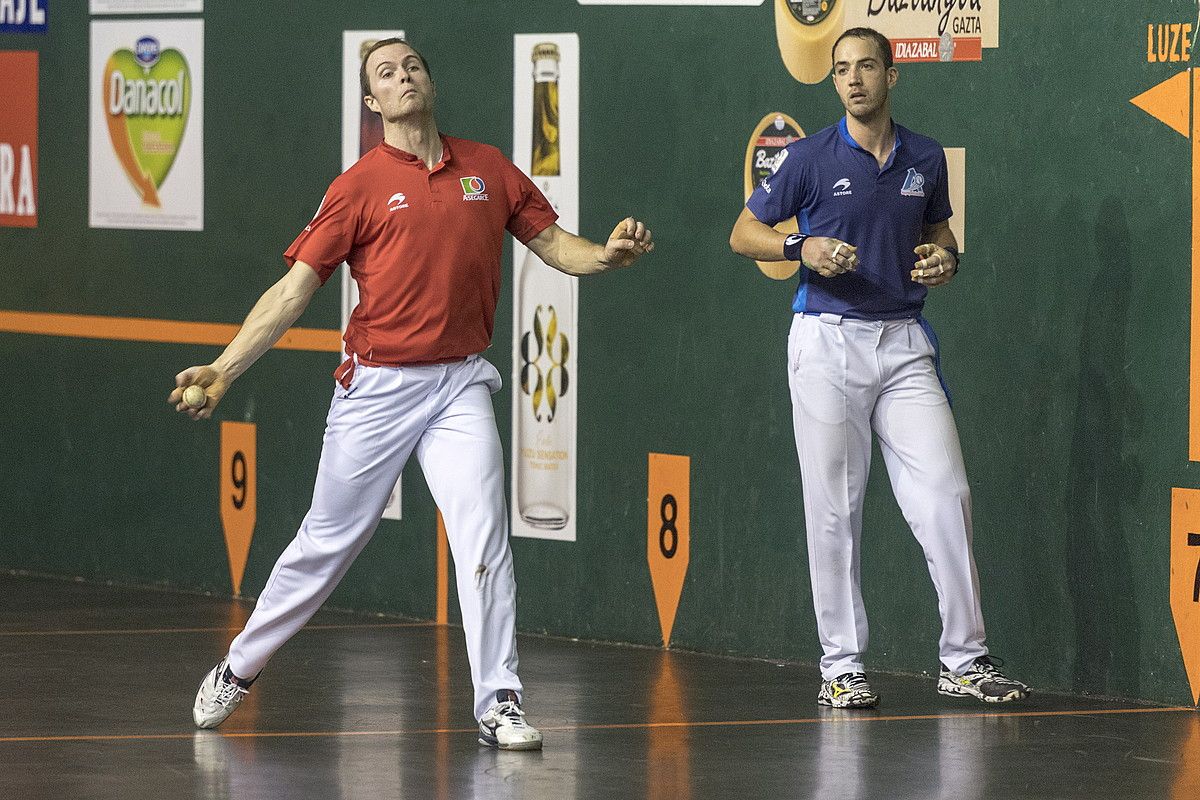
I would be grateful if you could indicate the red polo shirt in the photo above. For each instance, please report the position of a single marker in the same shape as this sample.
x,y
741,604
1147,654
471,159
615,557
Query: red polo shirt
x,y
424,247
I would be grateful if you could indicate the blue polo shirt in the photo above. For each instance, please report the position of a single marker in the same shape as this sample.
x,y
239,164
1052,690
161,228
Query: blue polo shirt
x,y
833,187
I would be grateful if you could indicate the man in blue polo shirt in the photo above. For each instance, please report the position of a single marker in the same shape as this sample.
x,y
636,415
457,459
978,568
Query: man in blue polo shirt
x,y
872,204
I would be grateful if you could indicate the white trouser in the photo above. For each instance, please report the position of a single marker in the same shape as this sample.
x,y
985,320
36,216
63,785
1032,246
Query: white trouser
x,y
847,378
444,413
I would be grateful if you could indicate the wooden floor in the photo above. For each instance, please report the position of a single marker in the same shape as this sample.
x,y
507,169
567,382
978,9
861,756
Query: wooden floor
x,y
99,683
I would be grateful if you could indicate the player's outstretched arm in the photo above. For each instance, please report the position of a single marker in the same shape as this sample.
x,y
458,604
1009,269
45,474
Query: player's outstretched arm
x,y
272,315
822,254
938,265
574,255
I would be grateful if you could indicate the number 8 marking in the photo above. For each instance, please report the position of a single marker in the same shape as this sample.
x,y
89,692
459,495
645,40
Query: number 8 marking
x,y
668,526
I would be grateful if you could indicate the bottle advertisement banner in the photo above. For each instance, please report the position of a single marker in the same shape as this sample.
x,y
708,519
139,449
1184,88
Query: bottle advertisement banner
x,y
362,130
147,125
18,138
545,379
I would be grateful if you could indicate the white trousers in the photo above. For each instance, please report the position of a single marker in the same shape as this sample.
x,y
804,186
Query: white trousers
x,y
444,414
848,378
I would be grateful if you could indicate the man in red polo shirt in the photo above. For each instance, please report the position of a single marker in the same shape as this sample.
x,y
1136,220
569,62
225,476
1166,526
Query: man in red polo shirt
x,y
420,220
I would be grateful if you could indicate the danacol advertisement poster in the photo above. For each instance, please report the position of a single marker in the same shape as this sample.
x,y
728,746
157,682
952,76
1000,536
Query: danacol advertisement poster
x,y
147,124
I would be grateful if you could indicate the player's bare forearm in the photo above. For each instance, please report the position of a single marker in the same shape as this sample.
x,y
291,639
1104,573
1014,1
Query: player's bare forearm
x,y
754,239
575,255
275,312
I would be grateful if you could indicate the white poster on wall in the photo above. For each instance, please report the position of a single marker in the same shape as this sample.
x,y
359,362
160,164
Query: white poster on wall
x,y
362,130
146,124
545,377
146,6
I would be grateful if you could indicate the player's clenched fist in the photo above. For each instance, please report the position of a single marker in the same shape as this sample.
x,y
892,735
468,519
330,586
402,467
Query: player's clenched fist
x,y
828,257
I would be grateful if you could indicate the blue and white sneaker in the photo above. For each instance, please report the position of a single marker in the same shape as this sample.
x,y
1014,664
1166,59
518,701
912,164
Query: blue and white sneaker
x,y
220,693
503,725
982,680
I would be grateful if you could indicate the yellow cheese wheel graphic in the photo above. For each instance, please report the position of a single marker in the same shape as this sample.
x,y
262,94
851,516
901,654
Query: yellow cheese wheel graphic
x,y
806,31
774,132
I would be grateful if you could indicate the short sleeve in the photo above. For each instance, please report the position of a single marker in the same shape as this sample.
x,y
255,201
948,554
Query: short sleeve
x,y
780,196
327,240
938,209
530,212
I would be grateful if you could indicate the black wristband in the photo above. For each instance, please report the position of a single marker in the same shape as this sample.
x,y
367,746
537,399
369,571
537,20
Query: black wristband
x,y
793,245
954,252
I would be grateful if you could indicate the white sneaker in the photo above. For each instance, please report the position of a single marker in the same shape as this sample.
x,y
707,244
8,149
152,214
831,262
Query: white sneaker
x,y
849,690
504,726
217,698
983,680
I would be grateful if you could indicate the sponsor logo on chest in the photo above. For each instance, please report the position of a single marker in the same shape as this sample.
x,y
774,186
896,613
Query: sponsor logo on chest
x,y
842,188
474,188
914,184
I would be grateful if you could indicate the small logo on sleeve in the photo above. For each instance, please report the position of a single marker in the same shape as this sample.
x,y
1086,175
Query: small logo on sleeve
x,y
396,202
842,188
474,188
914,184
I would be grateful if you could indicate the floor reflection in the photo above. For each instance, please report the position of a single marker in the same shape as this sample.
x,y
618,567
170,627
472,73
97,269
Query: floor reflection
x,y
668,757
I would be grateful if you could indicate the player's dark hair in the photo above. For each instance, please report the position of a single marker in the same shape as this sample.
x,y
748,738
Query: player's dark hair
x,y
365,80
881,41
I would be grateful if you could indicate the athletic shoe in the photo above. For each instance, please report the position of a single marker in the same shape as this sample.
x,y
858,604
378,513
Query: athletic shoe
x,y
984,680
849,690
219,695
503,725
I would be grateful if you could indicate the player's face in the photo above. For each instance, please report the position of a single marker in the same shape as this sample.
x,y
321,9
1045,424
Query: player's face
x,y
861,80
400,86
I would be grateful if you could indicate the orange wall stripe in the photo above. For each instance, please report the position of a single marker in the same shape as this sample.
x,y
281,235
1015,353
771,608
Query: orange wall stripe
x,y
136,329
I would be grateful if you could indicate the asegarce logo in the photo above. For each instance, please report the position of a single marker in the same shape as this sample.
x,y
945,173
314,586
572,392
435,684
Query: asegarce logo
x,y
473,188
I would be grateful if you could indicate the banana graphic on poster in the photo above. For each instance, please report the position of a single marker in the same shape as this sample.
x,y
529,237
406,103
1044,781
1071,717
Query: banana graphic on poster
x,y
806,30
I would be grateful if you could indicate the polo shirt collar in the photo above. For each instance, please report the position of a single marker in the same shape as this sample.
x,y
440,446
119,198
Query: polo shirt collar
x,y
844,130
410,159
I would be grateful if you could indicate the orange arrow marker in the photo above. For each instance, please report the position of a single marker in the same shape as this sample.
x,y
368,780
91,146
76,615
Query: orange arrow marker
x,y
239,496
668,524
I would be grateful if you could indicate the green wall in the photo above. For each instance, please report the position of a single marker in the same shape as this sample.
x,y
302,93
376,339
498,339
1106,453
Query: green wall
x,y
1065,338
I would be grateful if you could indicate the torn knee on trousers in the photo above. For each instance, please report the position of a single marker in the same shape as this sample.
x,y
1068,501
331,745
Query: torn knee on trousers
x,y
480,575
